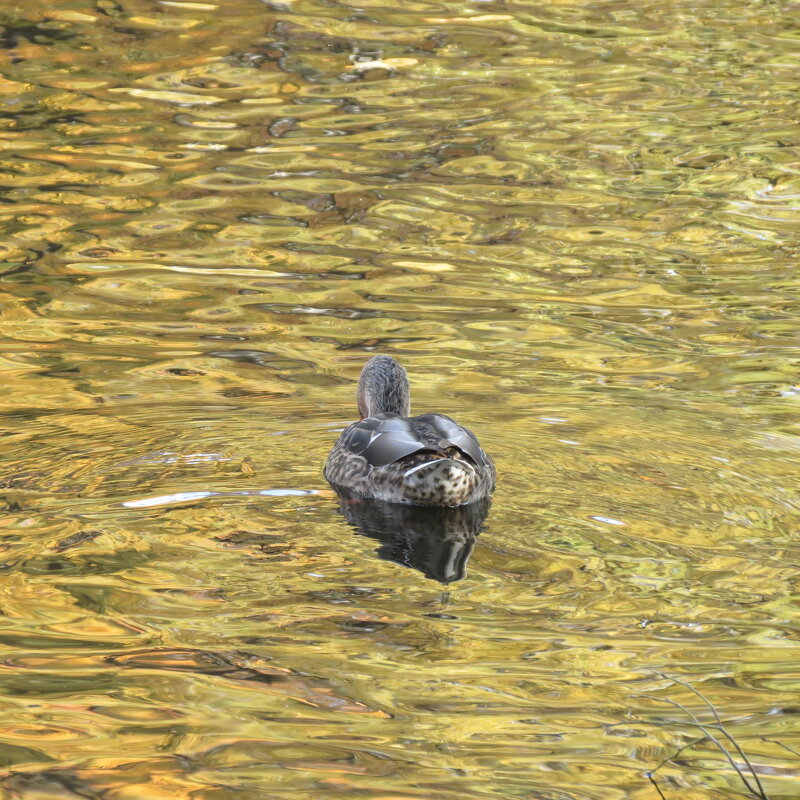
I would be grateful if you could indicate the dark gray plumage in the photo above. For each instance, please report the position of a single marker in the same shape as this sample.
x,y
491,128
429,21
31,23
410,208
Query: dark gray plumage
x,y
426,460
383,388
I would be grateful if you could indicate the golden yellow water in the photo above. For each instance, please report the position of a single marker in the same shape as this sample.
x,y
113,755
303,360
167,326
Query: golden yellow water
x,y
576,224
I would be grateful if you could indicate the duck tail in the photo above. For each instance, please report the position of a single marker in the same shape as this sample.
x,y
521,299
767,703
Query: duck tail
x,y
440,482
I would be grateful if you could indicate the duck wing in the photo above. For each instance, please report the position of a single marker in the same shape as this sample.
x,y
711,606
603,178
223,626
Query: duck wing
x,y
384,439
451,434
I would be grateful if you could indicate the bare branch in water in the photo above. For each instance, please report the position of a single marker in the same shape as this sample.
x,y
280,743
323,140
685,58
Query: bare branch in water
x,y
707,727
781,744
719,726
678,752
652,780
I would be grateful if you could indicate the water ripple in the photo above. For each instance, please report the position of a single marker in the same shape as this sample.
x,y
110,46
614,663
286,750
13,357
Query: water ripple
x,y
575,225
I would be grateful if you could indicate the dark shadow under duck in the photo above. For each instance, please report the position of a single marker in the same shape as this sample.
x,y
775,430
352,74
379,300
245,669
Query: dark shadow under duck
x,y
429,460
436,541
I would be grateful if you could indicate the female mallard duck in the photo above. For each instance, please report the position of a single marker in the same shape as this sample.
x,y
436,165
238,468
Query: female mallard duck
x,y
428,460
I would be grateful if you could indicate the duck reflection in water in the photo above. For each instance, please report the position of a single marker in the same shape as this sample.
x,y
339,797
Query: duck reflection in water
x,y
437,541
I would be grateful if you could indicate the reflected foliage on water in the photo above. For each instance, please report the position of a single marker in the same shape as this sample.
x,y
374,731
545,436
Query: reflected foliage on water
x,y
574,224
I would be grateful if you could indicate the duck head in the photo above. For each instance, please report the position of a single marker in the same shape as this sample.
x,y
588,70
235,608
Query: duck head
x,y
383,388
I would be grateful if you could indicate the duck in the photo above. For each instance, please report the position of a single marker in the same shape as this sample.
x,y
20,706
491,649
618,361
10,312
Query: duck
x,y
388,455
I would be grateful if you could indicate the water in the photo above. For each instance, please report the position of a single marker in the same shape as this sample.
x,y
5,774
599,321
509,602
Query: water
x,y
574,224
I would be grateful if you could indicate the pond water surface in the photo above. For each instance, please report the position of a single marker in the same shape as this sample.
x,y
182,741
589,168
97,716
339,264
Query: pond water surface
x,y
576,225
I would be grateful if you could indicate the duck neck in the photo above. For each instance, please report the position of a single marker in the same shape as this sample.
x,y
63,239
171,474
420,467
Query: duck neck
x,y
383,388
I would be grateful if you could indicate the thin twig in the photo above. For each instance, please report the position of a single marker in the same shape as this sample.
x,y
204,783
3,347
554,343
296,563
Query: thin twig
x,y
657,787
711,736
780,744
678,752
720,727
694,691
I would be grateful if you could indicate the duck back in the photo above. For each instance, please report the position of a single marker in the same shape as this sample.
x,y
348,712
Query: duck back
x,y
426,460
